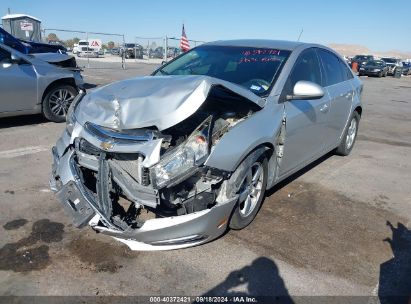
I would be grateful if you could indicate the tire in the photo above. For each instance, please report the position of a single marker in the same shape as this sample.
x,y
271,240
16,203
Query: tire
x,y
57,101
350,135
249,204
379,74
360,74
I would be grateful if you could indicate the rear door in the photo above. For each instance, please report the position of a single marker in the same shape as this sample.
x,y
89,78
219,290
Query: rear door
x,y
18,84
305,119
340,90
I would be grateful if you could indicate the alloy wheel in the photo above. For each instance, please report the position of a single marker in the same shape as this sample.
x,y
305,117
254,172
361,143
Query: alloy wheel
x,y
251,189
60,101
352,131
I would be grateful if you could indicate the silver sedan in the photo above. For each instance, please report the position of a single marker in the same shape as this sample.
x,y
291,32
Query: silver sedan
x,y
174,159
31,84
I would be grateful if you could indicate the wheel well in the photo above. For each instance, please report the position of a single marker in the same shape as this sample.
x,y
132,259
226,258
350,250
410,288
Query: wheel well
x,y
358,110
270,149
68,81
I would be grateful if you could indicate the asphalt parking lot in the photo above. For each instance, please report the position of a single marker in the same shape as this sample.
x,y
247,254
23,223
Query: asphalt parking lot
x,y
340,227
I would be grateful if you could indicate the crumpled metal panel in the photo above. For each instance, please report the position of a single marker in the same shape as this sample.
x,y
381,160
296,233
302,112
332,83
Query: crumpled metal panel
x,y
160,101
52,57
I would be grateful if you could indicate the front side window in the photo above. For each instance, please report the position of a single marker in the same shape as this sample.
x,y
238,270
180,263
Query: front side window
x,y
390,60
332,68
376,63
250,67
306,68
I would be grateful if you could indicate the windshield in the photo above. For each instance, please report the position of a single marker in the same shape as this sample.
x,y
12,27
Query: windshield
x,y
363,57
130,45
253,68
375,62
390,60
83,43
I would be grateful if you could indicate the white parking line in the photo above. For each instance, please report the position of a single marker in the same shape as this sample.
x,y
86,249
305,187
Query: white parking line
x,y
22,151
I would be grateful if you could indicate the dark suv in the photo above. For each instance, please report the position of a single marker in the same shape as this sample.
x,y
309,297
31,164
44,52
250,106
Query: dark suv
x,y
362,60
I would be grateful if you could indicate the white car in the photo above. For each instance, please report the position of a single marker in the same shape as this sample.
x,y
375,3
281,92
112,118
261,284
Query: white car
x,y
88,52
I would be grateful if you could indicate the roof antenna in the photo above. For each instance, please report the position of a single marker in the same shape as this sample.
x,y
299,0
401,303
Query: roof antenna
x,y
8,10
299,36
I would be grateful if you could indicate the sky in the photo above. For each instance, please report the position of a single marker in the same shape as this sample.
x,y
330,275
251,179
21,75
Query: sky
x,y
378,25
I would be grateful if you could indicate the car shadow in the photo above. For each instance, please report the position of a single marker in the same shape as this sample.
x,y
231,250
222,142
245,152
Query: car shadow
x,y
262,279
24,120
395,274
297,174
89,85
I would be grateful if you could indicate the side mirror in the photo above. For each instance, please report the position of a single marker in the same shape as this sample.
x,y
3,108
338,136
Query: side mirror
x,y
306,90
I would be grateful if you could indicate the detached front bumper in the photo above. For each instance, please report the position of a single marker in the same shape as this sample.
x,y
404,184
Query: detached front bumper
x,y
155,234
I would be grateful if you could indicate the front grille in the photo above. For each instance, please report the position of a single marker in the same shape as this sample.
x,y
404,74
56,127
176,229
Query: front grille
x,y
130,163
84,146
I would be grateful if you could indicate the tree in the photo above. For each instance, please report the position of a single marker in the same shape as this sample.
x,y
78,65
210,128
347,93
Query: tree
x,y
110,44
153,46
104,46
52,37
71,42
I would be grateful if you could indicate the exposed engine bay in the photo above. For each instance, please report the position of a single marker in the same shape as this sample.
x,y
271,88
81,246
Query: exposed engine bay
x,y
127,192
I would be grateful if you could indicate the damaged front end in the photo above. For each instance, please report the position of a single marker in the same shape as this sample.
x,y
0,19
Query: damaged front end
x,y
146,183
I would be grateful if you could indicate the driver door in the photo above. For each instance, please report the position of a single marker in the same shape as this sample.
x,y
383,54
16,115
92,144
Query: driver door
x,y
306,120
18,84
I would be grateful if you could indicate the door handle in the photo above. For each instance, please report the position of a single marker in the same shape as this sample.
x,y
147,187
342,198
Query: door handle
x,y
324,108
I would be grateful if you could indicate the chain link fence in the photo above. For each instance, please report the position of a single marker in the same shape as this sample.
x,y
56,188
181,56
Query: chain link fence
x,y
94,50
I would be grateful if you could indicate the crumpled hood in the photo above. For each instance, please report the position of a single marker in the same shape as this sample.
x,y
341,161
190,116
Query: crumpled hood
x,y
160,101
51,57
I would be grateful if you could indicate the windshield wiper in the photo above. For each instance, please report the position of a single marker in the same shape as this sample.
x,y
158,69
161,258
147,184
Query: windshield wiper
x,y
163,72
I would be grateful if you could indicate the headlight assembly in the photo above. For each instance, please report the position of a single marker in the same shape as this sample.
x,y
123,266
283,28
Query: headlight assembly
x,y
182,161
70,118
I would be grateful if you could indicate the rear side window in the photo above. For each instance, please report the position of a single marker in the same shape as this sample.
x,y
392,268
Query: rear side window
x,y
333,68
306,68
347,75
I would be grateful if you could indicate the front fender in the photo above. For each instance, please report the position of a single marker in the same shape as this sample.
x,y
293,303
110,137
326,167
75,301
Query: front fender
x,y
260,128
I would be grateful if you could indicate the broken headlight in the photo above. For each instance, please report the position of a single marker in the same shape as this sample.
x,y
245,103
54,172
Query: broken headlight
x,y
181,161
70,117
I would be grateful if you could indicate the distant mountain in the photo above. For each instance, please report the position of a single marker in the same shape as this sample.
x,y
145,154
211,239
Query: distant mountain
x,y
355,49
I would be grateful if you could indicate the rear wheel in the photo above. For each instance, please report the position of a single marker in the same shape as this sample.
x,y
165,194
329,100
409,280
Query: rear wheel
x,y
251,194
57,101
350,135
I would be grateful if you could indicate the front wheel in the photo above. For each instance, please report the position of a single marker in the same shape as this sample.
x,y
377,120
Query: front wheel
x,y
57,101
251,194
350,135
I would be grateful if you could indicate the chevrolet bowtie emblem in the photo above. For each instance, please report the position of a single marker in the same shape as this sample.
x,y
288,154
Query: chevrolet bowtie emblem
x,y
106,145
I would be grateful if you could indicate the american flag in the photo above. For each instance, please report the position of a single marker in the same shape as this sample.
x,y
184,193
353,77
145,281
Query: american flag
x,y
184,45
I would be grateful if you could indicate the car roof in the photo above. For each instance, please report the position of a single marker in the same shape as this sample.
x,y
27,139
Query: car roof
x,y
260,43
